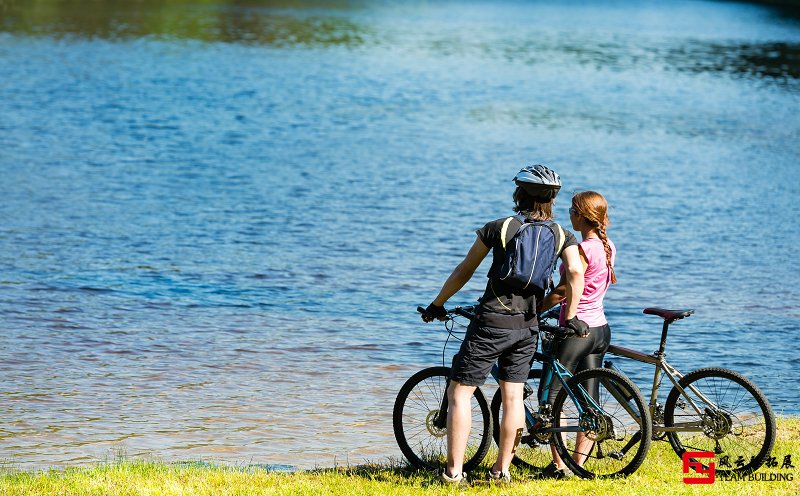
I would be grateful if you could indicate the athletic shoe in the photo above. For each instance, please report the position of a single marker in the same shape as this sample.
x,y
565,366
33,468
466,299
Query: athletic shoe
x,y
499,477
457,480
551,472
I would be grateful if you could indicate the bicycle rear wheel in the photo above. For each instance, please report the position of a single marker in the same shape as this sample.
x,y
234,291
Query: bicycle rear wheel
x,y
533,452
416,419
733,420
614,438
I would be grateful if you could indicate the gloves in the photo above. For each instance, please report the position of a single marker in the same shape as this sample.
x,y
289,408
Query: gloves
x,y
434,312
580,327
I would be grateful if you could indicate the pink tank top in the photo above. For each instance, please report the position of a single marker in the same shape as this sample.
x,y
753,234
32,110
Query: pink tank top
x,y
597,279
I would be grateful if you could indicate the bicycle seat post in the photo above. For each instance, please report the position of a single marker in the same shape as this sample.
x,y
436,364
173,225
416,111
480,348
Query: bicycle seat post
x,y
669,317
663,346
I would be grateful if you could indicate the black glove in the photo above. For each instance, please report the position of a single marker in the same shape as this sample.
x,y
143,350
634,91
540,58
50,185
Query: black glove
x,y
580,327
434,312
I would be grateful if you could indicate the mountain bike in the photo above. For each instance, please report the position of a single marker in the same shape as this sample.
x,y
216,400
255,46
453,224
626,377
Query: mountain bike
x,y
619,457
598,423
710,409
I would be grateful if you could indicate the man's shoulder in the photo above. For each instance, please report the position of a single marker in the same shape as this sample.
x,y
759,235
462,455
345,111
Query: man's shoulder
x,y
497,224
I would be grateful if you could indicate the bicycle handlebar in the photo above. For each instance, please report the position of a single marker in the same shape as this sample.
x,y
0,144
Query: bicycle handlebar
x,y
555,331
462,311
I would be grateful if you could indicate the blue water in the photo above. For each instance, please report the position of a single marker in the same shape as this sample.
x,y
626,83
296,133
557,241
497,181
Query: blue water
x,y
217,220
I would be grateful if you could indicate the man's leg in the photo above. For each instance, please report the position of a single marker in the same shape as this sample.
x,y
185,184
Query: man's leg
x,y
459,423
512,425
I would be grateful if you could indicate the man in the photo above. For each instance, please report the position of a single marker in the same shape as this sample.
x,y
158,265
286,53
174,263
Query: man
x,y
506,328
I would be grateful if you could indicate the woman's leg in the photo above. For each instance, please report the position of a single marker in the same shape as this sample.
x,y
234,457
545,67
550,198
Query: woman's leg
x,y
600,337
570,354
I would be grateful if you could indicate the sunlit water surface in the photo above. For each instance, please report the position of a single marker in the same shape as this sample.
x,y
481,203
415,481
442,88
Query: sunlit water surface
x,y
217,219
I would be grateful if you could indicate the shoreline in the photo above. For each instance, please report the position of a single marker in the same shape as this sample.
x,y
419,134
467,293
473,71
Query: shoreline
x,y
660,474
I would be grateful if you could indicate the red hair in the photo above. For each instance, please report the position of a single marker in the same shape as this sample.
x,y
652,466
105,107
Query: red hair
x,y
594,209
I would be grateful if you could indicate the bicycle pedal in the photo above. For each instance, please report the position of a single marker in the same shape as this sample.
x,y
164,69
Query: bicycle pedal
x,y
616,455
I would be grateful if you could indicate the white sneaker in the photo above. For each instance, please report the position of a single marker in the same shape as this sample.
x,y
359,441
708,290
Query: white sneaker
x,y
456,480
499,477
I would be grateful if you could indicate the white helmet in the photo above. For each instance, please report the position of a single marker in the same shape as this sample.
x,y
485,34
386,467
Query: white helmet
x,y
539,182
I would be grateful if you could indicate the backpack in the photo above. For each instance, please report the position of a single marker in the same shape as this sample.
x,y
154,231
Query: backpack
x,y
531,254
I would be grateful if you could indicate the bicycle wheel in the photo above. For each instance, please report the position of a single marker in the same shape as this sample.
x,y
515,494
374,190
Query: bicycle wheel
x,y
415,416
533,452
734,419
615,426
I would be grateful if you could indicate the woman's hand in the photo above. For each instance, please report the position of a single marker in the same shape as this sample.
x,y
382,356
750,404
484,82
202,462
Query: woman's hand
x,y
580,327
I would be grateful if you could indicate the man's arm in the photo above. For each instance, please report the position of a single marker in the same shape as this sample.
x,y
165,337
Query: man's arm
x,y
555,296
463,272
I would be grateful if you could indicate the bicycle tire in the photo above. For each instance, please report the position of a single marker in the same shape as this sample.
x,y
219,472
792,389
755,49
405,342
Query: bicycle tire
x,y
745,428
415,409
622,426
531,454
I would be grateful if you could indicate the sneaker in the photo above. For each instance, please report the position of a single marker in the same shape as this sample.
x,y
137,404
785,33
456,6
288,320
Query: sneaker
x,y
456,480
551,472
499,477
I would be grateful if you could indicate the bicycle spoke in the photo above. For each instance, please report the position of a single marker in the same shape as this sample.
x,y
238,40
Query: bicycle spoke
x,y
733,421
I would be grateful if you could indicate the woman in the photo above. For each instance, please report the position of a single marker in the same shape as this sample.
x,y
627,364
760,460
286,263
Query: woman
x,y
505,330
589,215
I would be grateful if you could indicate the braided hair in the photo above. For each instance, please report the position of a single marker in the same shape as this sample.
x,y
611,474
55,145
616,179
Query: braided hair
x,y
594,209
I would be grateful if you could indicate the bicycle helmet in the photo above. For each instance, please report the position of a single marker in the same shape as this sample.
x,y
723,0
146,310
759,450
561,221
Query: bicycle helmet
x,y
539,182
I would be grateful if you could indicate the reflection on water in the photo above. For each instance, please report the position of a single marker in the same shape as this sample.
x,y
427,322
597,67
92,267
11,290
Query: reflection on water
x,y
286,23
214,249
775,61
232,22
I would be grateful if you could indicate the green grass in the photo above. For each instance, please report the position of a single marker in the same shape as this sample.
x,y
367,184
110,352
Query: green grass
x,y
660,475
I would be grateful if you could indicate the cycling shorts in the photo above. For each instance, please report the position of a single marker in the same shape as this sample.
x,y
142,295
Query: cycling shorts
x,y
511,349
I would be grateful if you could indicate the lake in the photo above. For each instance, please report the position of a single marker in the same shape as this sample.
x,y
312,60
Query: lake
x,y
218,217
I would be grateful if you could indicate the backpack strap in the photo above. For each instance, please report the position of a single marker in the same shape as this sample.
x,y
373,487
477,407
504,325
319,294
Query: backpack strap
x,y
561,238
504,231
504,236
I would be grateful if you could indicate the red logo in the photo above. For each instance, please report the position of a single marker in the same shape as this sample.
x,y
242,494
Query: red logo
x,y
691,460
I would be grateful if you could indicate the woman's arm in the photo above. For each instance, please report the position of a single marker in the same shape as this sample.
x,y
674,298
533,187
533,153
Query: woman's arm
x,y
573,272
462,273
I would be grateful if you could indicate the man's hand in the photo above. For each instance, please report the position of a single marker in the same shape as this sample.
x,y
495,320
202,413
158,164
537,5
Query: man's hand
x,y
434,312
580,327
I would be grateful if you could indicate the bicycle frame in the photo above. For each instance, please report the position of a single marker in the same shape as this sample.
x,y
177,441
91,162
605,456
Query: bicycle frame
x,y
554,368
658,360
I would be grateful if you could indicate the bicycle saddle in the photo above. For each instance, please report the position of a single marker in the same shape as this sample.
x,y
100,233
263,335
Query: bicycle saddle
x,y
668,314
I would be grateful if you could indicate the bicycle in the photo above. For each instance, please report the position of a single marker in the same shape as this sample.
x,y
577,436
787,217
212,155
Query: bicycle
x,y
593,427
711,409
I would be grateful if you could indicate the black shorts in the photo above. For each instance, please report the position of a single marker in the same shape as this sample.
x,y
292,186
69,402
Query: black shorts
x,y
512,349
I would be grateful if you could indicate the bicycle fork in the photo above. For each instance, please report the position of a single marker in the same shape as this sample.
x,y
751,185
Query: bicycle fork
x,y
440,421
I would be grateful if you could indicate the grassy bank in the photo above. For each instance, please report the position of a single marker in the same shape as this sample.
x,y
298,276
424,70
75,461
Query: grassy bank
x,y
660,475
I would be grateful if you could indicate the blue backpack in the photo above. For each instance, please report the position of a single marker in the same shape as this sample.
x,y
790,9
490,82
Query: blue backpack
x,y
531,254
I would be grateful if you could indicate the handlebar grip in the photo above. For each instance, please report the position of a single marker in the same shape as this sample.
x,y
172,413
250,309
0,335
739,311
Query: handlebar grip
x,y
558,332
420,310
552,314
460,311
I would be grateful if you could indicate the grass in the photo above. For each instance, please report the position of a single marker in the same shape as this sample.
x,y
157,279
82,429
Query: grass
x,y
660,475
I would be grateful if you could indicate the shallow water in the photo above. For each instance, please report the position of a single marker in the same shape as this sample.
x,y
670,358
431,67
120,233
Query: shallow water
x,y
218,218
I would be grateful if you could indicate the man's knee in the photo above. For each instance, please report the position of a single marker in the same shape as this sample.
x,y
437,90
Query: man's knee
x,y
512,392
459,393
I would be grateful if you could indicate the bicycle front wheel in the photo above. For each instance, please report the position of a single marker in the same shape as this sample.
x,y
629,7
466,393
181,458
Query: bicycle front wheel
x,y
419,427
723,412
606,432
533,451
